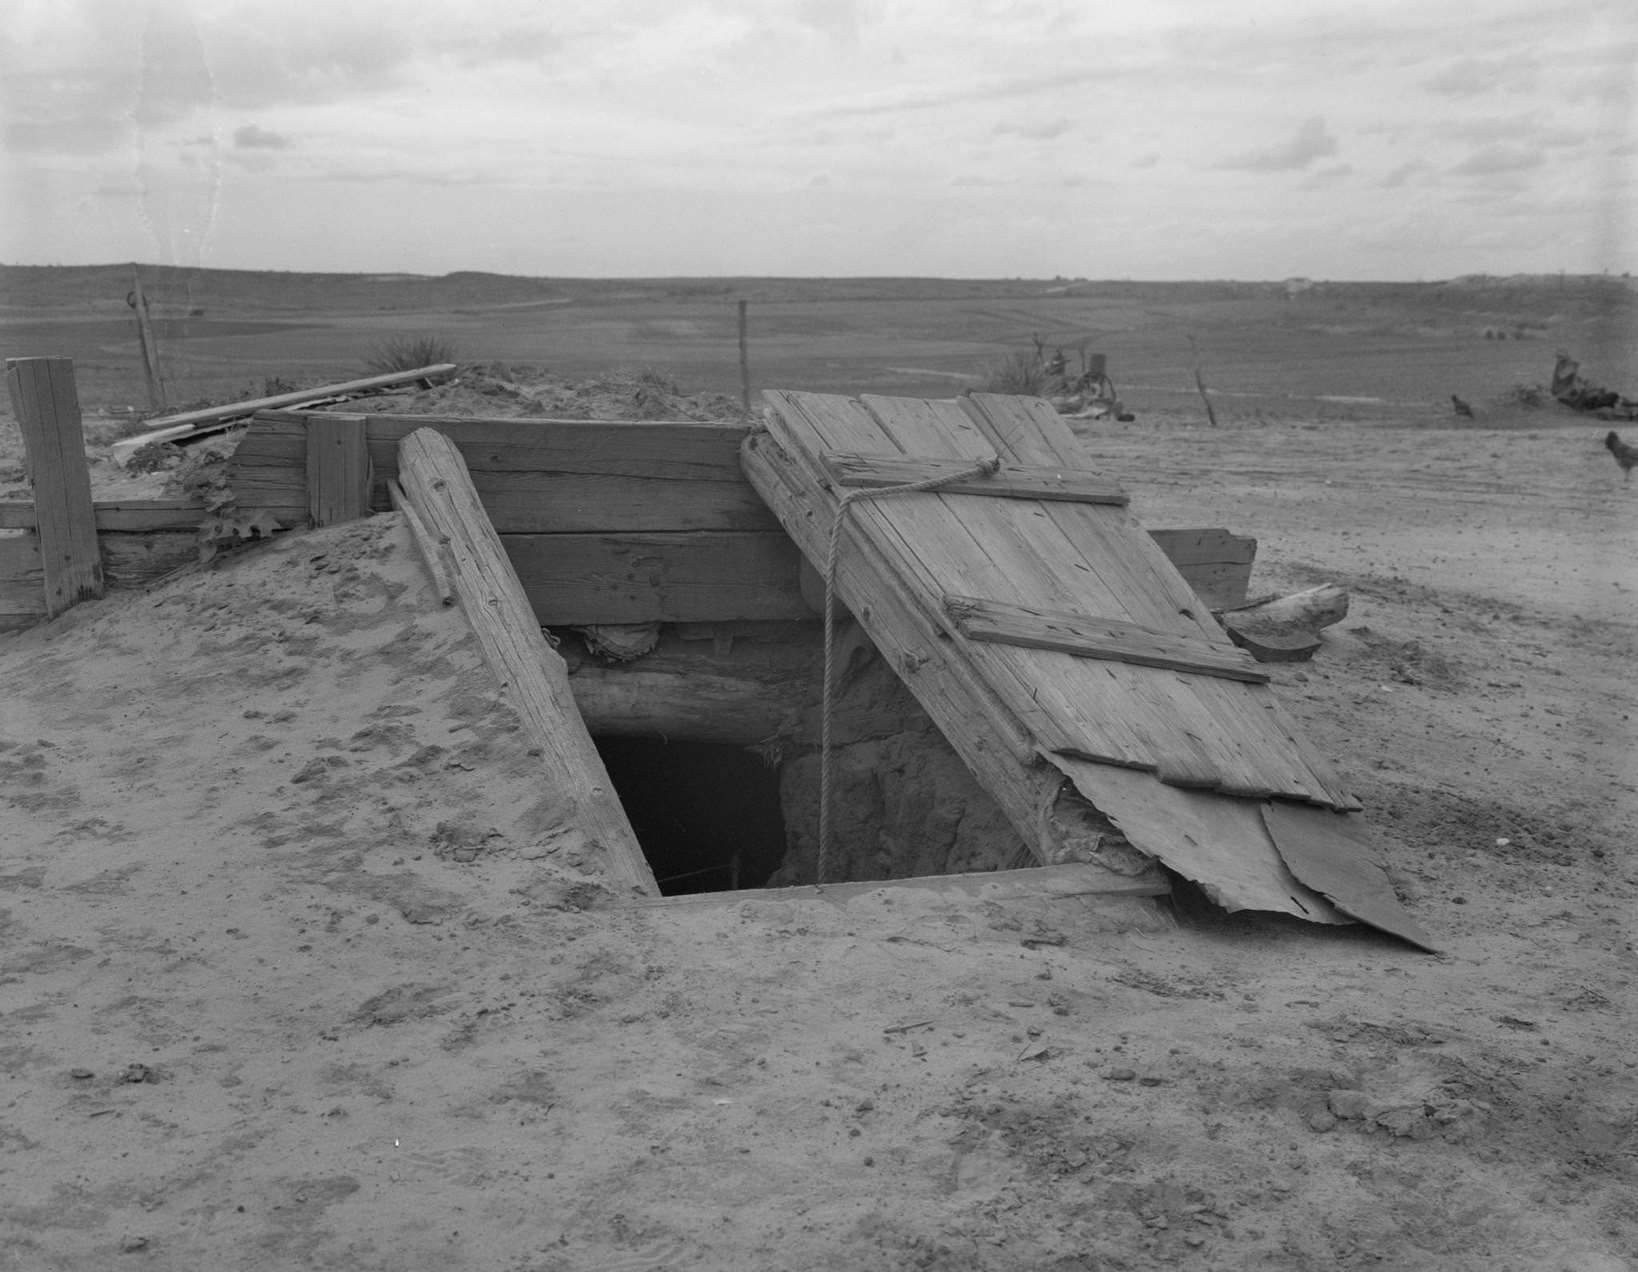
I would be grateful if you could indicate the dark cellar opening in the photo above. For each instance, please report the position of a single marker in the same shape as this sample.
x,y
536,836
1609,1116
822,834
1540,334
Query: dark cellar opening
x,y
707,814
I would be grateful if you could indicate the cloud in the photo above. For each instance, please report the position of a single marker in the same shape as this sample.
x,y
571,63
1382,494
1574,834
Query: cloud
x,y
1149,160
1046,130
1473,76
1310,142
254,137
1402,175
1489,161
1327,177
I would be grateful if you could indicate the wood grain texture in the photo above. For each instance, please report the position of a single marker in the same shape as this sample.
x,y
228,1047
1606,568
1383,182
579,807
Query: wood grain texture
x,y
338,470
1106,638
530,672
1012,481
46,405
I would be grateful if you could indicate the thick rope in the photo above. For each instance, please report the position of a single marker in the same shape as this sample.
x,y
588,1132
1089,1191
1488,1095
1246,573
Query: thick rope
x,y
981,468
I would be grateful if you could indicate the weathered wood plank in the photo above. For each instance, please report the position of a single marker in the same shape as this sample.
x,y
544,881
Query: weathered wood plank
x,y
1012,481
601,475
1129,908
115,514
22,582
1089,637
338,470
1215,563
661,577
530,671
46,405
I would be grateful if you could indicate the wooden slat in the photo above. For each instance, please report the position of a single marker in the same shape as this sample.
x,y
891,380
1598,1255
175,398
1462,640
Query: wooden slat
x,y
1085,637
46,405
171,427
1011,481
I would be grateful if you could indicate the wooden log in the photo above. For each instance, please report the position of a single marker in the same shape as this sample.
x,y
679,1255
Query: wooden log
x,y
1286,628
743,692
338,470
529,670
46,404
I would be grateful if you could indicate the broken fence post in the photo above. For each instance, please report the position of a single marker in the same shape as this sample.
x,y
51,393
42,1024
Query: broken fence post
x,y
47,406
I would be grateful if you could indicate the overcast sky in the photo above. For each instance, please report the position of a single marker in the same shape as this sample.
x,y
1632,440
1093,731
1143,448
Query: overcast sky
x,y
1373,139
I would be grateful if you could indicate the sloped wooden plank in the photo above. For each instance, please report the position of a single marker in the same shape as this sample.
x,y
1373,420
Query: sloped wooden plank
x,y
983,730
946,543
1012,481
1332,853
533,676
1218,841
1087,637
1163,715
1239,726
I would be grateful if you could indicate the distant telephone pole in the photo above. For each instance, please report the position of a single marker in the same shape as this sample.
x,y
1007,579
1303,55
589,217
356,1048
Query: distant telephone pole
x,y
145,336
744,360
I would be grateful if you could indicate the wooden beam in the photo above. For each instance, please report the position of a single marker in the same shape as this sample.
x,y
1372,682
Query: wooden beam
x,y
171,427
1106,638
1012,481
338,470
689,576
46,404
587,816
150,346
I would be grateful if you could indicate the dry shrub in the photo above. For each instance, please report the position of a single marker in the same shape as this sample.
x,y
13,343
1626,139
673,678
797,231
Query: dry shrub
x,y
1023,374
410,353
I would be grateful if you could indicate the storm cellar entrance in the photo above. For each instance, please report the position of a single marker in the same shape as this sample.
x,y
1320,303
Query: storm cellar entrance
x,y
707,814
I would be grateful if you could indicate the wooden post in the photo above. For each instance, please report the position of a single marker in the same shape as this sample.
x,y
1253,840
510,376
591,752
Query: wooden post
x,y
744,359
536,679
338,469
47,406
150,347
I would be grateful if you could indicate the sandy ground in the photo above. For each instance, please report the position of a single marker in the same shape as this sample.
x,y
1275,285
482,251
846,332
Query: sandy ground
x,y
288,982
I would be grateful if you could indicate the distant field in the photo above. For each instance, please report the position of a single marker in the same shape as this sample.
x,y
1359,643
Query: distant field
x,y
1342,352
